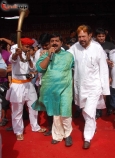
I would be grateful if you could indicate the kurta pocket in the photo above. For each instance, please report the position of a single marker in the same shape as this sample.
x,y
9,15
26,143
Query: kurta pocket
x,y
91,62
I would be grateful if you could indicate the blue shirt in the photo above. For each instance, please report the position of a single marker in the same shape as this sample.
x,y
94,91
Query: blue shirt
x,y
2,63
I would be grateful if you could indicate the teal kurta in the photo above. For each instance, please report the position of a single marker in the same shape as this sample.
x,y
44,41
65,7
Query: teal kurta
x,y
56,90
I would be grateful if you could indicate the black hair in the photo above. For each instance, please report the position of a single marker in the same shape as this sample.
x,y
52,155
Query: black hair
x,y
71,31
44,38
0,42
100,31
13,38
3,44
57,35
31,47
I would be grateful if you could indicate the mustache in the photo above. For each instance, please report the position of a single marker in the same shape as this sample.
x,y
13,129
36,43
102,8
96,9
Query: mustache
x,y
81,41
54,45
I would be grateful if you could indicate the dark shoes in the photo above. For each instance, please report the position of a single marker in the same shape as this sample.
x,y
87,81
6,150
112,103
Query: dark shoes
x,y
4,122
98,116
86,145
54,141
68,141
77,114
9,129
48,133
98,113
109,112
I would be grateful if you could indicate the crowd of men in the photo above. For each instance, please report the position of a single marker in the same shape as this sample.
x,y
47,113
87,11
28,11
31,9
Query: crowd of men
x,y
44,78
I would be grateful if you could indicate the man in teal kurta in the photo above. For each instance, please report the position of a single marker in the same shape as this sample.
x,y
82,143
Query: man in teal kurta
x,y
56,90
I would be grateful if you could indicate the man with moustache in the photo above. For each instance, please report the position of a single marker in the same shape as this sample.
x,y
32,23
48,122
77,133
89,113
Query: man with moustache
x,y
56,89
91,79
44,41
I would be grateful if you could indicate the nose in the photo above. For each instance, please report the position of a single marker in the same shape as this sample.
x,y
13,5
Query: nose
x,y
54,42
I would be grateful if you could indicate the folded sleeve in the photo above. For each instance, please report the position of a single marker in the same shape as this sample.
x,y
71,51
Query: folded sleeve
x,y
38,67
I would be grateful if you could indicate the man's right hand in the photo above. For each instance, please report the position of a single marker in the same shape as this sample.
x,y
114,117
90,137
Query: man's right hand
x,y
50,51
18,51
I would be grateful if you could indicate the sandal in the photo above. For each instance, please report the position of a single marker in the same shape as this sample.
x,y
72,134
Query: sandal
x,y
42,130
20,137
4,122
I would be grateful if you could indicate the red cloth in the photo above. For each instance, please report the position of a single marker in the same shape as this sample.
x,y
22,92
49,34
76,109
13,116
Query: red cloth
x,y
27,41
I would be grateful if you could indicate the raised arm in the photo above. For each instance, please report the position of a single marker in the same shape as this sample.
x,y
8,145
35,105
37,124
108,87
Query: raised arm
x,y
6,40
45,62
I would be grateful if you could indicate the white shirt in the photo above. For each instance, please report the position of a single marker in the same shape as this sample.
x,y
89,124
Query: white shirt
x,y
18,93
13,48
112,58
19,67
37,54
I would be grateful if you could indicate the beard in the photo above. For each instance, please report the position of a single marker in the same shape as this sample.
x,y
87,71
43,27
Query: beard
x,y
85,43
82,43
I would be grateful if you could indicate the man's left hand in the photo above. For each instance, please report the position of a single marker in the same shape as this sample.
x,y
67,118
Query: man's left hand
x,y
28,56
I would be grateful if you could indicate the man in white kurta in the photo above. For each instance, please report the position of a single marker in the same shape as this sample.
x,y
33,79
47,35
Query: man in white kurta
x,y
91,79
22,90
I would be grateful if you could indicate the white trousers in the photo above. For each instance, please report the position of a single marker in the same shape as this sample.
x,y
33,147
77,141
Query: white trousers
x,y
61,127
17,121
90,126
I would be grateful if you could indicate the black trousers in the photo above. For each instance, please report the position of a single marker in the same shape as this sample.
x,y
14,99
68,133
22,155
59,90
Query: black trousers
x,y
5,103
108,106
50,122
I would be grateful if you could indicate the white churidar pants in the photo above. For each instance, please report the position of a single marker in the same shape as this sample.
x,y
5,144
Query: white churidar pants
x,y
89,112
17,121
90,126
61,127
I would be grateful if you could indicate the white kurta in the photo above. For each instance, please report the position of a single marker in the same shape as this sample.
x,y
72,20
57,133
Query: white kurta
x,y
13,48
37,56
112,58
91,77
20,92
